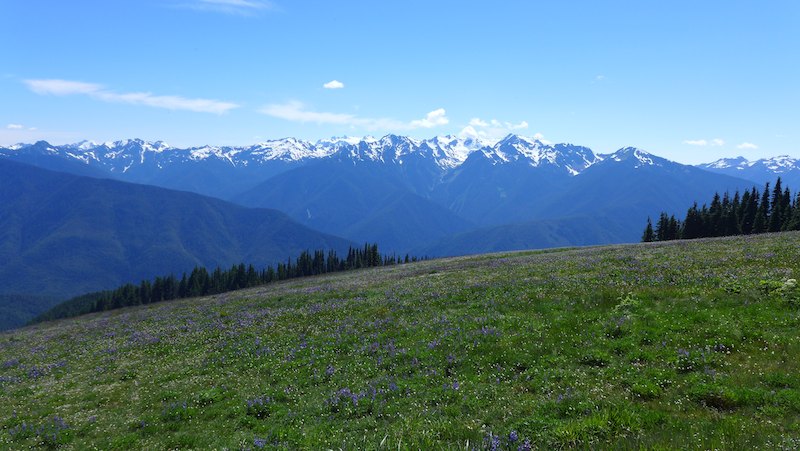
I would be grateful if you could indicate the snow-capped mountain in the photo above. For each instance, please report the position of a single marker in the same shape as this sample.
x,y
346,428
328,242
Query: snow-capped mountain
x,y
777,165
447,152
725,163
401,191
635,157
465,174
761,171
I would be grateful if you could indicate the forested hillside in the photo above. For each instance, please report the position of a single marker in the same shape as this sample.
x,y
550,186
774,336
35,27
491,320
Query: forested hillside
x,y
63,235
749,213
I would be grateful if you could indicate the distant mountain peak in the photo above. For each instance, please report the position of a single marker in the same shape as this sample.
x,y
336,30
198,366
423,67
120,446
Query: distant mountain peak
x,y
776,165
84,145
515,138
352,140
723,163
636,157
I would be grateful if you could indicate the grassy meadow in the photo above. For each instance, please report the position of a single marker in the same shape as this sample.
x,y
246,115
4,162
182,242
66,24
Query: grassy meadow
x,y
685,344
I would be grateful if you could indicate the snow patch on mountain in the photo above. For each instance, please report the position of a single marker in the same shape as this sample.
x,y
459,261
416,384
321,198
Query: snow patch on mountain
x,y
638,157
451,151
724,163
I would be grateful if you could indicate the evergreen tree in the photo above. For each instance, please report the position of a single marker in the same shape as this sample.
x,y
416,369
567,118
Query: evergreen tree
x,y
673,230
648,235
776,210
715,217
761,222
749,209
786,209
794,220
692,224
731,216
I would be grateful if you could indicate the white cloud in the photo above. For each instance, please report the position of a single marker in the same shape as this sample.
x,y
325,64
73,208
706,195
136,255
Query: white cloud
x,y
333,84
234,7
297,112
494,129
716,142
98,92
62,87
746,145
168,102
433,119
696,142
14,126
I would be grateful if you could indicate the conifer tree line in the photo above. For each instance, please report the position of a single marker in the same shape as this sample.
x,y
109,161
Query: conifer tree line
x,y
771,210
201,282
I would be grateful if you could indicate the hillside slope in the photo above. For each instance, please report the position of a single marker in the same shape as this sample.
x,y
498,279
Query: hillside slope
x,y
669,345
366,202
542,234
63,235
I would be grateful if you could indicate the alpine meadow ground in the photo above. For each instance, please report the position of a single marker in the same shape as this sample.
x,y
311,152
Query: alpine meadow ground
x,y
685,344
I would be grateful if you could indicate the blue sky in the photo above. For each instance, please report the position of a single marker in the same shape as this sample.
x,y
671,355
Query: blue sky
x,y
687,80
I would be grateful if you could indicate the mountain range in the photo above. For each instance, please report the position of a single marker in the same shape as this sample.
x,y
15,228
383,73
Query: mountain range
x,y
409,194
160,164
761,171
88,216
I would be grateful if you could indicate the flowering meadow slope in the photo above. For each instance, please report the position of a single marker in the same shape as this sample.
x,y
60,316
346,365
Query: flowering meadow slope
x,y
679,344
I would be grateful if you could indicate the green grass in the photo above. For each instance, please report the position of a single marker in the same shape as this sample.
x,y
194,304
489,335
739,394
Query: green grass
x,y
657,346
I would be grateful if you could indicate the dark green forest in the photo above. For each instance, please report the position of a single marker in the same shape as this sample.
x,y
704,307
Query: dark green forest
x,y
752,212
201,282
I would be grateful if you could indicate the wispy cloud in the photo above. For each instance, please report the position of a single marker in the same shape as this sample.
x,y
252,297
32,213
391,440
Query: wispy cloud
x,y
233,7
747,145
716,142
62,87
696,142
333,84
298,112
493,129
15,126
98,92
